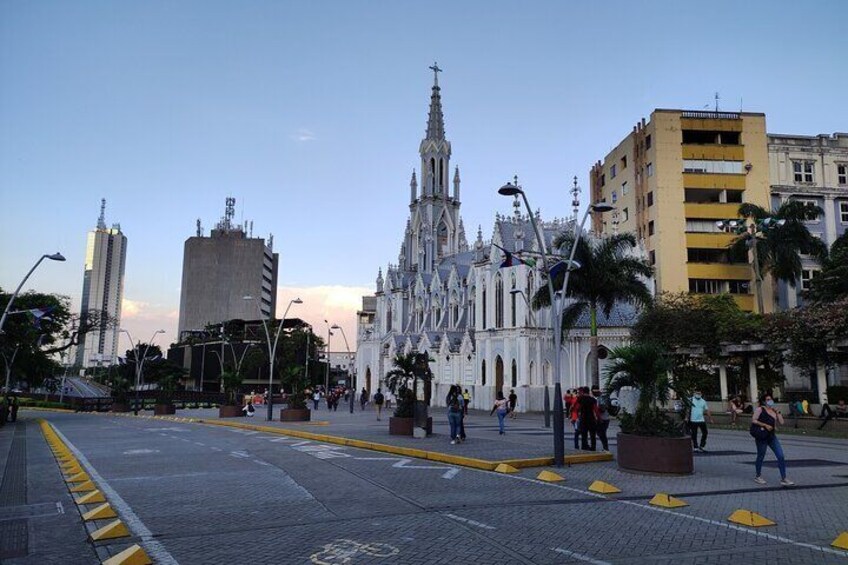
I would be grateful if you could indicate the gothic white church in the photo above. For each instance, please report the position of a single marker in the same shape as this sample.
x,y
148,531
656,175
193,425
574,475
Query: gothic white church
x,y
457,304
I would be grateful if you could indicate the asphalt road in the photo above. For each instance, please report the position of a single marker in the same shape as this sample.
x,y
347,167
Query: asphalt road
x,y
195,494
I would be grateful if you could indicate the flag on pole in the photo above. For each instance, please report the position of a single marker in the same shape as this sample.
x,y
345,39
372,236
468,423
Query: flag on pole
x,y
512,259
39,314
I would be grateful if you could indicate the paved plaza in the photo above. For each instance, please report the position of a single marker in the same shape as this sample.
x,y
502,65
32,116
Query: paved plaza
x,y
194,493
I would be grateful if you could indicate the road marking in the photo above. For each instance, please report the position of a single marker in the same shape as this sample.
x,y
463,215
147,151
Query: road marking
x,y
239,454
59,508
213,448
258,462
681,515
200,443
450,473
140,451
580,556
153,547
298,444
281,440
341,551
376,458
470,522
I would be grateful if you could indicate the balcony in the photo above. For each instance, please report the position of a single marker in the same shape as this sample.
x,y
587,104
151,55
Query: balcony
x,y
714,152
713,180
721,211
709,240
744,301
724,271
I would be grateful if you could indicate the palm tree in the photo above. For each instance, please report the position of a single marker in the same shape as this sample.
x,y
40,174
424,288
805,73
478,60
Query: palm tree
x,y
401,381
779,247
607,274
831,284
642,366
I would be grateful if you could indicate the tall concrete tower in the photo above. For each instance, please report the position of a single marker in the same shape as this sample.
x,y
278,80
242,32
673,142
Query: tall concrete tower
x,y
103,290
220,270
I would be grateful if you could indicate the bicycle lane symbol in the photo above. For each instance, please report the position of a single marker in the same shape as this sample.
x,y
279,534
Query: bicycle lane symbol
x,y
342,551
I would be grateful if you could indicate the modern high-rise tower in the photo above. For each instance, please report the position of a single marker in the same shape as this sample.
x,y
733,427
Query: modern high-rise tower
x,y
219,271
102,291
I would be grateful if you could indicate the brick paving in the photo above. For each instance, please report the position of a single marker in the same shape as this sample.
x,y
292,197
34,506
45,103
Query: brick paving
x,y
220,495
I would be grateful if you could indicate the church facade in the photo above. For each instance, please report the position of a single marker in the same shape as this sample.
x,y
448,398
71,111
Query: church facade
x,y
457,303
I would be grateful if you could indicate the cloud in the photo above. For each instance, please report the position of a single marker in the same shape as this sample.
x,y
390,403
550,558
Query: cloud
x,y
335,303
140,310
302,135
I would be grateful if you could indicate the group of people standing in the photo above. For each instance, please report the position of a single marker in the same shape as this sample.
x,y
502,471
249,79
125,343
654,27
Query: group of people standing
x,y
590,418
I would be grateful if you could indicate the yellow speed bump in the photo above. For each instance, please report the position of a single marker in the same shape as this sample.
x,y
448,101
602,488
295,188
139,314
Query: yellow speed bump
x,y
71,471
841,541
664,500
133,555
80,477
94,497
748,518
102,512
112,530
504,468
603,488
550,477
87,486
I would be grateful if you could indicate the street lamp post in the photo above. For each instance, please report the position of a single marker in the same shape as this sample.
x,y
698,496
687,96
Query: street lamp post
x,y
54,257
510,189
272,350
139,365
349,365
327,373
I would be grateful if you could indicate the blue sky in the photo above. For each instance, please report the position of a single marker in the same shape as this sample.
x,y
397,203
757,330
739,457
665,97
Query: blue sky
x,y
310,115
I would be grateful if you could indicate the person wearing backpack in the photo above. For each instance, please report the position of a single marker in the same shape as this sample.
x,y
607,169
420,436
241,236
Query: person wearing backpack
x,y
378,402
454,402
501,405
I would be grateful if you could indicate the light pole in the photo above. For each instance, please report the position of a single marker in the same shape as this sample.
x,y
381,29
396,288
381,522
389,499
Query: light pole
x,y
751,232
510,189
272,350
349,365
139,365
327,373
54,257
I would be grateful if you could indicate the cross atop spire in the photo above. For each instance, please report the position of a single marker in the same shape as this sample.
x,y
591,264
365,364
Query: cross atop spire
x,y
436,70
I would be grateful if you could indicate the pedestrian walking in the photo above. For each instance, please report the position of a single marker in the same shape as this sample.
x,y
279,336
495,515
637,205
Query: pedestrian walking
x,y
454,403
466,401
602,417
764,430
513,401
588,430
378,403
316,398
363,399
697,422
500,407
572,410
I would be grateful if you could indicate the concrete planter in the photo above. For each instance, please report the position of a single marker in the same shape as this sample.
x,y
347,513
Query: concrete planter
x,y
120,407
295,415
230,412
404,426
666,455
164,409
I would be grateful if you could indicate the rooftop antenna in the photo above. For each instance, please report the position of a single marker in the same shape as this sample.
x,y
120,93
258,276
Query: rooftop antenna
x,y
716,101
251,228
199,228
229,213
101,221
575,200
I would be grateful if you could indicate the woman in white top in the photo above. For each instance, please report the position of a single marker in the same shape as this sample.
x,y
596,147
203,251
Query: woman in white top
x,y
501,408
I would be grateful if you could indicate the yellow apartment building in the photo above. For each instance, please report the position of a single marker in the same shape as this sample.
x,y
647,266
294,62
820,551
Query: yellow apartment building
x,y
671,179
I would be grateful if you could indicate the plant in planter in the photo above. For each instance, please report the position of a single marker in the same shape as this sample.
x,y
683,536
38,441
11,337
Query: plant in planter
x,y
165,393
650,440
402,381
295,381
231,381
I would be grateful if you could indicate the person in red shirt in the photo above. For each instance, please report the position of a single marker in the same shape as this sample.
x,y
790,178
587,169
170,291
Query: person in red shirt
x,y
573,412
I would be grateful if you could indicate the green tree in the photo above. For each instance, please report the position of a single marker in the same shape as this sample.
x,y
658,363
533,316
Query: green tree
x,y
608,273
831,284
402,381
780,244
643,366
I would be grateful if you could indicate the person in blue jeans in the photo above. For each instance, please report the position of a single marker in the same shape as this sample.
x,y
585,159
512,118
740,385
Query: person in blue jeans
x,y
455,403
501,408
764,423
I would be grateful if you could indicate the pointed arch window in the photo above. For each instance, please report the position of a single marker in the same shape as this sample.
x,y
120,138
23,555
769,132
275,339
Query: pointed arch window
x,y
389,318
442,182
483,372
432,174
483,309
512,303
514,374
472,308
499,302
442,240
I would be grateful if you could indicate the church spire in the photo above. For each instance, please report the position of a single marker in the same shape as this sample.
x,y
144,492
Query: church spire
x,y
436,120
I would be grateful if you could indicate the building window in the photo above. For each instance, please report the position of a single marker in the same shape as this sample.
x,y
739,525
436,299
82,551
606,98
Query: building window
x,y
624,162
843,212
705,286
612,172
624,189
626,215
512,299
649,169
483,372
652,257
603,180
614,197
647,142
842,174
499,303
803,170
650,199
737,287
712,167
483,306
651,227
807,276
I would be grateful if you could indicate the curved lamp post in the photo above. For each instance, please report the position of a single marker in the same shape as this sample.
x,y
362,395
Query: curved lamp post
x,y
54,257
139,365
349,365
557,302
272,350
